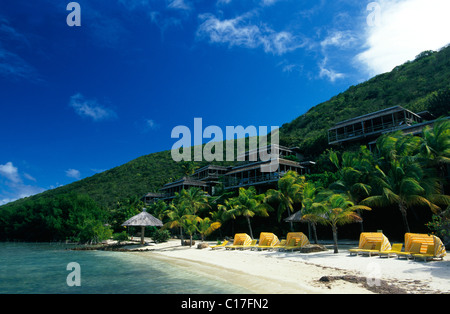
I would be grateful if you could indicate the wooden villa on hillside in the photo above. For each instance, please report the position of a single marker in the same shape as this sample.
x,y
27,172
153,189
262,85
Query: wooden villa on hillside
x,y
185,183
369,127
257,173
150,198
252,171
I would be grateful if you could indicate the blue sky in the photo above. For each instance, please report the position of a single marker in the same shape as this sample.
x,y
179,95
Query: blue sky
x,y
75,101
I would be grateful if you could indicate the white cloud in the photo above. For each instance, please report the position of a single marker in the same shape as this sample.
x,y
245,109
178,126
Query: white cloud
x,y
268,2
151,124
179,4
329,73
19,191
340,39
10,172
403,30
90,108
14,189
240,32
29,177
73,173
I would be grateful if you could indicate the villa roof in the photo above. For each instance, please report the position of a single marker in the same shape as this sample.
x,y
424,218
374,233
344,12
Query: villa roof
x,y
211,167
258,165
184,181
371,116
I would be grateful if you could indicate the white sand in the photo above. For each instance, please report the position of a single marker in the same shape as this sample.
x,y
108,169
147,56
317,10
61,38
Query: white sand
x,y
294,272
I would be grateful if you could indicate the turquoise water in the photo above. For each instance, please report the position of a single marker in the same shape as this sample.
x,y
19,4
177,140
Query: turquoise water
x,y
42,268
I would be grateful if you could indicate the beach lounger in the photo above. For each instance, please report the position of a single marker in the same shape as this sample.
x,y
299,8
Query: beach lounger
x,y
371,243
219,246
431,248
416,244
414,248
266,241
375,250
396,248
295,241
428,255
249,246
240,240
280,245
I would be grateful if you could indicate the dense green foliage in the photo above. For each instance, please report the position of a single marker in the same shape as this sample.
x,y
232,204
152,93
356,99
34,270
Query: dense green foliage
x,y
79,211
419,85
73,217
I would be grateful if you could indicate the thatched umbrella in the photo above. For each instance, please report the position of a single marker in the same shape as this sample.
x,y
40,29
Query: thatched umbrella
x,y
295,217
143,220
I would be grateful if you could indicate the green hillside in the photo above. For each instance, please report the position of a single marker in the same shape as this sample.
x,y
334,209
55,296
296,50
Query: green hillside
x,y
414,85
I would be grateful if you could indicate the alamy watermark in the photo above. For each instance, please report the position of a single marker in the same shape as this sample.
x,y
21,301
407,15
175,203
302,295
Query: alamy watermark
x,y
74,277
373,271
74,17
374,17
190,144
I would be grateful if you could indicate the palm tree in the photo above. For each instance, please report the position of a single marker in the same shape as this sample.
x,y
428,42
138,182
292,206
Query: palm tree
x,y
289,192
435,148
176,214
353,172
248,204
334,211
404,185
310,199
194,198
190,223
188,167
206,226
400,178
158,209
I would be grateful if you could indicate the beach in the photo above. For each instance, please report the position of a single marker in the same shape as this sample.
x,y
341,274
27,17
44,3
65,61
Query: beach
x,y
303,273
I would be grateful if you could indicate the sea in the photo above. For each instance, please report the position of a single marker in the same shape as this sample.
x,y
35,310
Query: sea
x,y
47,268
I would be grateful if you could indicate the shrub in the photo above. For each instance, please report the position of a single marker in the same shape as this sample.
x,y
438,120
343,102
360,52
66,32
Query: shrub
x,y
161,235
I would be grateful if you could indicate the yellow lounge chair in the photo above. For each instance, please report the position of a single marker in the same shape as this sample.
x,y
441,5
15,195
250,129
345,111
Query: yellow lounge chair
x,y
414,248
375,250
430,249
266,241
280,245
428,255
219,245
417,243
248,246
371,243
294,241
240,240
396,248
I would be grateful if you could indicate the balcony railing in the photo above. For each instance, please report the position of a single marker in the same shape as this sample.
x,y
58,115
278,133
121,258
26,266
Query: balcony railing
x,y
389,126
231,182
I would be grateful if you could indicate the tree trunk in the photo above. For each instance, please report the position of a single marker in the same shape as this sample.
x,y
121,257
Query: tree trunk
x,y
404,216
142,234
335,239
314,232
181,235
361,223
249,227
190,239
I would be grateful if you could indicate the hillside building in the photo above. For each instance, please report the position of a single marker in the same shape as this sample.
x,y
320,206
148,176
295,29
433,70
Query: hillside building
x,y
367,128
251,171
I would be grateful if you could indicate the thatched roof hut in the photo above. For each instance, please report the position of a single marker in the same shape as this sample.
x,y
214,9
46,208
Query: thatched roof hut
x,y
143,220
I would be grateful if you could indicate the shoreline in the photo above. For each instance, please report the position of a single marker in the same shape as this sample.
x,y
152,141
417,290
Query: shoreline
x,y
263,272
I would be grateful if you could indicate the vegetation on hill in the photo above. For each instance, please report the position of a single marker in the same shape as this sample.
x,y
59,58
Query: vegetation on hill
x,y
418,85
114,194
